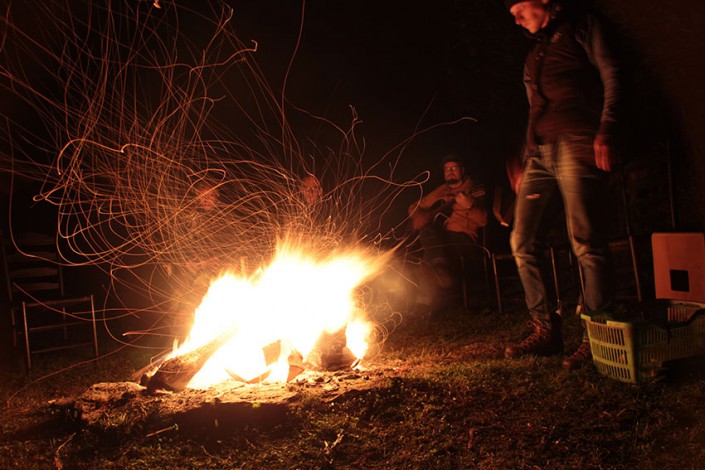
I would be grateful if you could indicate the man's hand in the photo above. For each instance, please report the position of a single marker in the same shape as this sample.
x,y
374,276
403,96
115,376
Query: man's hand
x,y
463,201
605,157
515,172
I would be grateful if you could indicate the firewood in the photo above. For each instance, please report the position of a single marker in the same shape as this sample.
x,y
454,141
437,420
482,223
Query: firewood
x,y
331,353
174,374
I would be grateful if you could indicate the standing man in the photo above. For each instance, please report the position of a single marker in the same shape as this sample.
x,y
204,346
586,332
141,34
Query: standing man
x,y
448,220
571,78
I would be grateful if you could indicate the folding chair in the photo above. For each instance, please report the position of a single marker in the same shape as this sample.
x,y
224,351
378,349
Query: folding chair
x,y
42,316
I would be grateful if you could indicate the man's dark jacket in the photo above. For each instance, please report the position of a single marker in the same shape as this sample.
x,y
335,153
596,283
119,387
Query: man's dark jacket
x,y
571,79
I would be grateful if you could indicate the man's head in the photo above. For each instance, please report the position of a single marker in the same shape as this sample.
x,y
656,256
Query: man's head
x,y
207,194
532,15
453,171
311,189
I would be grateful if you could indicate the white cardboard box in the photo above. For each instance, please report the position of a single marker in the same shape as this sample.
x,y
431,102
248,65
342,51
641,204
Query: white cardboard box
x,y
679,266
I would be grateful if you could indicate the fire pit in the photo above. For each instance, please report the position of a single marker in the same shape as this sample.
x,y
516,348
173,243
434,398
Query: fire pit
x,y
123,407
257,344
299,313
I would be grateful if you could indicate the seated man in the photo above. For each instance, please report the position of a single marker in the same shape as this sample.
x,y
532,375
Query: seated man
x,y
448,220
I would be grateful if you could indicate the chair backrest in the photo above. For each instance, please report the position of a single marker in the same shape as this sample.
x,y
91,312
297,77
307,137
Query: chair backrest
x,y
649,202
31,268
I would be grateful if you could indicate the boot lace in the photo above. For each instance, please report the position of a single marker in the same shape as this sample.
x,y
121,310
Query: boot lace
x,y
540,335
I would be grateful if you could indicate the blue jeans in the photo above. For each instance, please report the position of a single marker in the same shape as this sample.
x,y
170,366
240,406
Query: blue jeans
x,y
565,168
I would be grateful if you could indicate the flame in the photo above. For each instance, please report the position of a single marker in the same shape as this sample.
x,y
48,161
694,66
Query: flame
x,y
285,308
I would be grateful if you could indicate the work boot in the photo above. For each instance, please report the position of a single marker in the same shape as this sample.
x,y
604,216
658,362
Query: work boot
x,y
542,341
579,358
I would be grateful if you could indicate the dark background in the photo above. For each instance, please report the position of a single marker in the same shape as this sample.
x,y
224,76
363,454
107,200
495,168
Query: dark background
x,y
405,65
402,66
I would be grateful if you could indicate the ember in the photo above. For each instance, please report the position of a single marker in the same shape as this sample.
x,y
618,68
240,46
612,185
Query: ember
x,y
298,313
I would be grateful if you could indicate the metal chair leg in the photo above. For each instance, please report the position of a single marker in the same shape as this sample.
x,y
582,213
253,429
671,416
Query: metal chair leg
x,y
635,268
95,333
464,282
556,285
496,284
27,351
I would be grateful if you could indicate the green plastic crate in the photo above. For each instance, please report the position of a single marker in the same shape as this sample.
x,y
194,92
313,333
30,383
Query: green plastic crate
x,y
634,351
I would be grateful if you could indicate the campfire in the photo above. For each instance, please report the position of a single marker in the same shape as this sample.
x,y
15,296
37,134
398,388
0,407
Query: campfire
x,y
300,312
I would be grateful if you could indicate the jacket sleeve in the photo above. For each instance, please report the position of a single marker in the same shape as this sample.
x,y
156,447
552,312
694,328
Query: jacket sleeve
x,y
596,38
428,200
527,84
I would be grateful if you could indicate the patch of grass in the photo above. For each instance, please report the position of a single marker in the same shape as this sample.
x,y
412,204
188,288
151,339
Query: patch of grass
x,y
454,402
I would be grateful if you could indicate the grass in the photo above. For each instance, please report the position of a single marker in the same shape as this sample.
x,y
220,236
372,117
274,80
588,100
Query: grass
x,y
450,400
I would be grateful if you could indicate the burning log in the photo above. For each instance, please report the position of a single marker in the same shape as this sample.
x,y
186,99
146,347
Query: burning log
x,y
331,352
176,373
271,355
